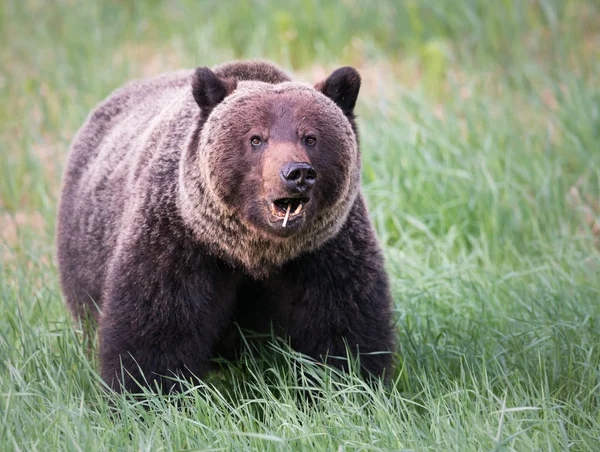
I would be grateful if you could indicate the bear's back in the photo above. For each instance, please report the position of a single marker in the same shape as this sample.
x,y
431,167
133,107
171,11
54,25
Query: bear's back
x,y
119,141
125,114
260,71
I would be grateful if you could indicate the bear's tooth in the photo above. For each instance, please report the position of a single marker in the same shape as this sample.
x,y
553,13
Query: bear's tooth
x,y
287,214
298,209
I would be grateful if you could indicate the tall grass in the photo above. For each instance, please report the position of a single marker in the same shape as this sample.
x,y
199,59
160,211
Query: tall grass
x,y
480,131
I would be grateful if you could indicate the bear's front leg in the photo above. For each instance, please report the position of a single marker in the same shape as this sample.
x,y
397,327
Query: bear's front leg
x,y
160,322
337,299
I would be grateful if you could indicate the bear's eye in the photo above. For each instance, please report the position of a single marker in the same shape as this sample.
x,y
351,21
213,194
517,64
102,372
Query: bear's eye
x,y
310,141
255,141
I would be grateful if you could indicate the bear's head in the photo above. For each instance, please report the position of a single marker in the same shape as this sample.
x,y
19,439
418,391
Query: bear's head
x,y
279,163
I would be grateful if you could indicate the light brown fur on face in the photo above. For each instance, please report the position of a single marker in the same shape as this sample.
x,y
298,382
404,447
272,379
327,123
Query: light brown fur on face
x,y
201,183
280,153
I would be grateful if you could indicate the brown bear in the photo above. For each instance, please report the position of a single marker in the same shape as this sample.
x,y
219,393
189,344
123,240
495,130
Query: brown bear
x,y
200,202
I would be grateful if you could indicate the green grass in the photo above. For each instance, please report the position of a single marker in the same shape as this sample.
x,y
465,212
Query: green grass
x,y
480,130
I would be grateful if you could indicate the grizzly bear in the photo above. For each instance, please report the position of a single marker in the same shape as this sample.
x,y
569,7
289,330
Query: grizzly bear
x,y
198,203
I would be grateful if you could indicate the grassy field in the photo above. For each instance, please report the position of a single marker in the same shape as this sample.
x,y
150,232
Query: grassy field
x,y
480,125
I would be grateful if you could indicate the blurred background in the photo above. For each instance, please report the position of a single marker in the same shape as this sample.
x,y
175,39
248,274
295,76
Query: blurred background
x,y
516,77
480,134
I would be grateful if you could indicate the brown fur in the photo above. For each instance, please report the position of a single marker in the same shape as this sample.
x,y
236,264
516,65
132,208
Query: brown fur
x,y
209,217
164,225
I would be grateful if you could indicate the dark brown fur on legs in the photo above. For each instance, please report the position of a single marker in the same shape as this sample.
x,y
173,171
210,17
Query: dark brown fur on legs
x,y
195,200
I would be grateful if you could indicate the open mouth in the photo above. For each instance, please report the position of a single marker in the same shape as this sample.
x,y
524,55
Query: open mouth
x,y
288,208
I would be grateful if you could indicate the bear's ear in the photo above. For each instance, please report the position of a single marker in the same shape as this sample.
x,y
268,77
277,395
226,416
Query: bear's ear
x,y
342,87
209,90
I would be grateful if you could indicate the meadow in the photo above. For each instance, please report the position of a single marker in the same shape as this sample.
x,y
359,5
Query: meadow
x,y
480,135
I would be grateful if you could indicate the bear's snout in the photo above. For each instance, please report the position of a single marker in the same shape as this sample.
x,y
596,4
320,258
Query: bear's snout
x,y
298,177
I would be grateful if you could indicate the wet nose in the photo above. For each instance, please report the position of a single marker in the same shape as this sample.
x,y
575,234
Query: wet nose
x,y
298,176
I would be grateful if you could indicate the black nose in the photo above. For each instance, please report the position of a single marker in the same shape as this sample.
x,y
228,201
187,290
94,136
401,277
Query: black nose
x,y
298,176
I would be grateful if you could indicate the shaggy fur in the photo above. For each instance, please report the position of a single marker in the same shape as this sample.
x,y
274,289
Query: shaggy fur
x,y
166,238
